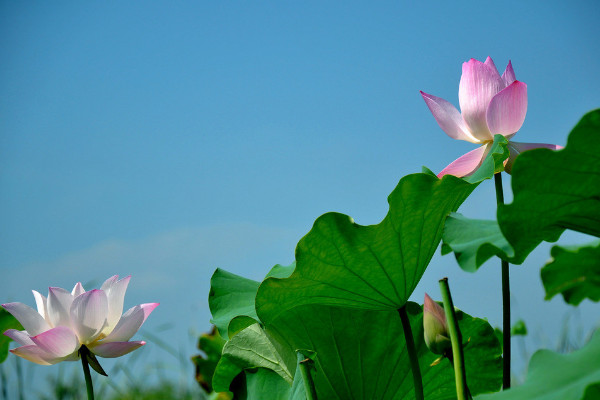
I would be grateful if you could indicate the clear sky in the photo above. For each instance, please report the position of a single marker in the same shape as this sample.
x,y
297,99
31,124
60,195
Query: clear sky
x,y
165,139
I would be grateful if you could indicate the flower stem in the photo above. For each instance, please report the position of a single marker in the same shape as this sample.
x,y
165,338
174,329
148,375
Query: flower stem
x,y
458,359
309,385
83,352
412,353
505,299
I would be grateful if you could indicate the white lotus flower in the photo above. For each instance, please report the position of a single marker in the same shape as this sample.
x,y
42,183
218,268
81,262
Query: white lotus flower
x,y
65,321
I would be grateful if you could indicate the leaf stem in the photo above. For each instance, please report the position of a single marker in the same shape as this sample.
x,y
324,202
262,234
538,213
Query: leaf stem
x,y
309,385
412,353
458,359
83,352
505,298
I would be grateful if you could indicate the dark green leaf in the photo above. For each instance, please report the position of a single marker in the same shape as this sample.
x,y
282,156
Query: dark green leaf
x,y
554,376
574,272
360,354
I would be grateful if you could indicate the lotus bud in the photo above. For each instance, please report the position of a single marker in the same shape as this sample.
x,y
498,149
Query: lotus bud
x,y
437,337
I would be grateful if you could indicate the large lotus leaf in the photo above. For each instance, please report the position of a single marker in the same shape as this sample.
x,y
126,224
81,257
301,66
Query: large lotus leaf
x,y
372,267
555,190
554,376
474,241
574,272
231,299
7,321
361,354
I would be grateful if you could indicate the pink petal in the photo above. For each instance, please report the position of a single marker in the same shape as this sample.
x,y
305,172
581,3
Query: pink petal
x,y
33,322
508,76
466,164
59,303
88,315
57,342
130,322
32,353
20,337
41,303
37,355
490,63
78,289
115,292
115,349
517,148
478,85
435,309
448,118
507,109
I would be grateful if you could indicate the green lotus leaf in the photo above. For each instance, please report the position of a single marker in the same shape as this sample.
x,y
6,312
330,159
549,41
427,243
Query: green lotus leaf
x,y
361,354
573,272
555,190
554,376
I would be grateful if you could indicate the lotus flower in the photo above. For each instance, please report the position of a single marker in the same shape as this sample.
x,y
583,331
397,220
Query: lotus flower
x,y
490,104
435,327
65,321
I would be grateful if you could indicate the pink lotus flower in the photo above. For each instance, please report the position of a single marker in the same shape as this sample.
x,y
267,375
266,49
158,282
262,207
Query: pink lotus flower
x,y
491,104
65,321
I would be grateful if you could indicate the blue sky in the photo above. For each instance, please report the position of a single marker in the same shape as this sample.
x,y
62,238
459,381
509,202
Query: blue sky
x,y
164,140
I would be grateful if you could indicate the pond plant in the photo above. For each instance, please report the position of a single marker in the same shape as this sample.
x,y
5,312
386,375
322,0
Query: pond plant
x,y
338,324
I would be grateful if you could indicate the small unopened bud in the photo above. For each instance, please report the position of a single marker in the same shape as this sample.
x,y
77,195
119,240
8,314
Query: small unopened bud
x,y
437,337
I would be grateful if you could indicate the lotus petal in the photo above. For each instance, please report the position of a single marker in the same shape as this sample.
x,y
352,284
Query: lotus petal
x,y
31,320
130,322
88,313
115,349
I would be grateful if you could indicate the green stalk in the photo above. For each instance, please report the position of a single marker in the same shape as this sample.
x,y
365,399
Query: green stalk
x,y
83,352
412,353
505,299
309,384
458,359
